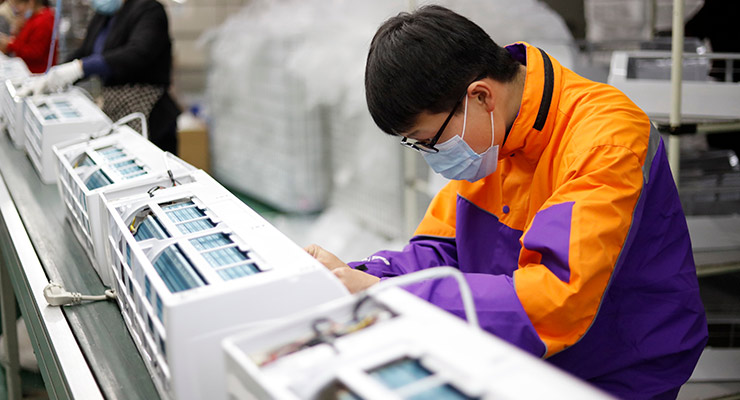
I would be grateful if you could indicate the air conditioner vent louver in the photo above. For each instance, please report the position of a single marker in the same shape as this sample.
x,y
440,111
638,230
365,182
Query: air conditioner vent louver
x,y
176,271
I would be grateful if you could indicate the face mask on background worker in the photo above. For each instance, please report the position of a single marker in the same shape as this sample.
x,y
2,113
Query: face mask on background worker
x,y
456,160
106,7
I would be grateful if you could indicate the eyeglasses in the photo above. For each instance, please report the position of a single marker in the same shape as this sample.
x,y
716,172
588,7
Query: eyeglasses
x,y
427,146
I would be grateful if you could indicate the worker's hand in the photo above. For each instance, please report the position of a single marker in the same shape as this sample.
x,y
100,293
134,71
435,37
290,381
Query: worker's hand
x,y
62,75
56,79
32,86
355,280
328,259
4,40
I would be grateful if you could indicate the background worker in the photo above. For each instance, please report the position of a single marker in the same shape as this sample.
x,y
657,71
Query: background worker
x,y
33,41
562,212
128,46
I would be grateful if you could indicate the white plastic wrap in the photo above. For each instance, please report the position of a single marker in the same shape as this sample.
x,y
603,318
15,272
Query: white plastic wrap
x,y
266,140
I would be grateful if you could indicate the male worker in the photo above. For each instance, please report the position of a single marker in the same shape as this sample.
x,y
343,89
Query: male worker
x,y
562,212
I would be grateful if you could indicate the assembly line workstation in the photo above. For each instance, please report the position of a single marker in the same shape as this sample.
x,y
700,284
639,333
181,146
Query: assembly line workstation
x,y
85,351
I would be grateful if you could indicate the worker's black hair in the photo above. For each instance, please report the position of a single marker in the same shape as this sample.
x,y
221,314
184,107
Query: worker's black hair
x,y
423,61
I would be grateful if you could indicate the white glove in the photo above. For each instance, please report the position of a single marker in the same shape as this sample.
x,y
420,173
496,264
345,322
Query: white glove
x,y
60,76
32,85
56,79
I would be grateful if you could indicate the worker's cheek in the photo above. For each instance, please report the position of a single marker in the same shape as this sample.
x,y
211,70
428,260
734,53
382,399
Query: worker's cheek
x,y
354,280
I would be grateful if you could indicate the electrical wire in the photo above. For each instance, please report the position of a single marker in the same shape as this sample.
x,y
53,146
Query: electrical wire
x,y
122,121
434,273
325,331
56,295
130,117
151,191
362,301
174,181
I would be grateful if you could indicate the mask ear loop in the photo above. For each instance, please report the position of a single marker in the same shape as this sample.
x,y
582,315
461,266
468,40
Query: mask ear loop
x,y
465,116
492,131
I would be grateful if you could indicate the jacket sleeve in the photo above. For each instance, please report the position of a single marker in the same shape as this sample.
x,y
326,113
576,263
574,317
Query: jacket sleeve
x,y
428,248
149,36
498,308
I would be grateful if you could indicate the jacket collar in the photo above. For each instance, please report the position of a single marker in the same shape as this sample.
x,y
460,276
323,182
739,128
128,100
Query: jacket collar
x,y
530,133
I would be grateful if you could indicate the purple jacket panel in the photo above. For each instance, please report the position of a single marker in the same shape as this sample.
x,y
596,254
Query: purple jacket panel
x,y
488,252
653,295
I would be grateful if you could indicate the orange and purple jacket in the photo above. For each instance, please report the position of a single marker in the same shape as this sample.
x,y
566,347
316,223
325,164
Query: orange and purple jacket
x,y
576,248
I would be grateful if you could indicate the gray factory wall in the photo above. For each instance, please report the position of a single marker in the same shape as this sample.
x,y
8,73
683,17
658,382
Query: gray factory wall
x,y
188,21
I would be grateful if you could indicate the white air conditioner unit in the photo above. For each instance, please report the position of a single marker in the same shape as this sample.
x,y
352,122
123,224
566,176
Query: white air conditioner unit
x,y
193,264
56,118
12,111
13,72
120,164
387,346
645,77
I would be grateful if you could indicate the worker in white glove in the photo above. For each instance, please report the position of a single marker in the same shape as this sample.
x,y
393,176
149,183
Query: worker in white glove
x,y
62,75
128,47
58,77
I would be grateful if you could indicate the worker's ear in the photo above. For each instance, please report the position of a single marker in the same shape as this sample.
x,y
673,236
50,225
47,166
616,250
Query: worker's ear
x,y
482,92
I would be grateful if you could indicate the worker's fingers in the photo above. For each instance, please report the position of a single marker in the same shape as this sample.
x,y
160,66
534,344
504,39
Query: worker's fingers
x,y
24,91
354,280
32,87
39,87
328,259
312,249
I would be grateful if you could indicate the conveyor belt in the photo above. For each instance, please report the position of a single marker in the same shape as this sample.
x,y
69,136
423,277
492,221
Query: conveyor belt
x,y
98,327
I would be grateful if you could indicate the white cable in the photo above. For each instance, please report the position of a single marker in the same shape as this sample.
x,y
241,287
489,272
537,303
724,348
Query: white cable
x,y
131,117
56,295
434,273
166,161
124,120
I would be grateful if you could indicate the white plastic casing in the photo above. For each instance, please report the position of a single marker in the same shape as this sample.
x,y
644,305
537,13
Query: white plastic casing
x,y
473,362
179,332
56,118
130,162
13,72
653,95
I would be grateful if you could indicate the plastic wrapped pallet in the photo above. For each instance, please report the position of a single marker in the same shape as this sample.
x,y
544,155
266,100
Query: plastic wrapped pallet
x,y
267,141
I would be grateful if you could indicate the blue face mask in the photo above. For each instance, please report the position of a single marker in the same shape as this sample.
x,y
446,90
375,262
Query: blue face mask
x,y
456,160
106,7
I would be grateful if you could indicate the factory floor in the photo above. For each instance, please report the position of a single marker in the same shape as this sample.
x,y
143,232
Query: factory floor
x,y
33,386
